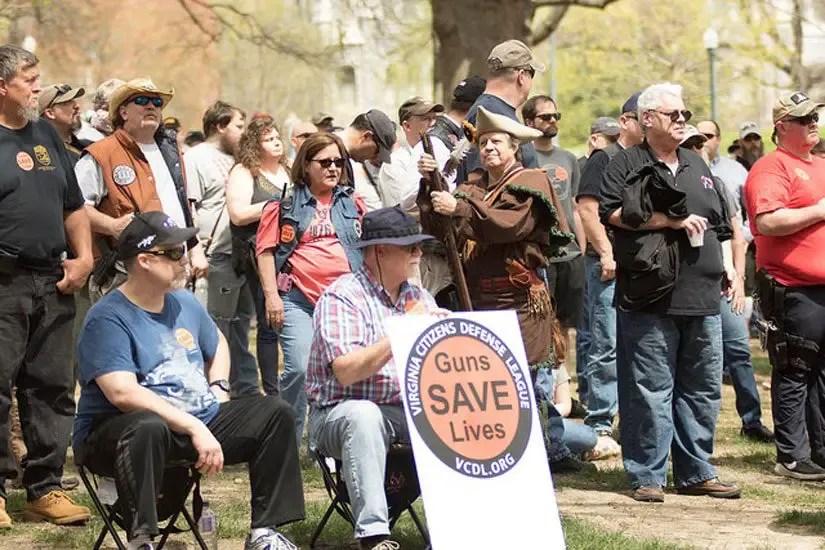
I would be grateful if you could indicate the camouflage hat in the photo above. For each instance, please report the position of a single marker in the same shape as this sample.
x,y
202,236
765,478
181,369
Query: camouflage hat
x,y
513,54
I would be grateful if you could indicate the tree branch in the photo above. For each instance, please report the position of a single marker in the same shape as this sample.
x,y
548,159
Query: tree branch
x,y
547,26
598,4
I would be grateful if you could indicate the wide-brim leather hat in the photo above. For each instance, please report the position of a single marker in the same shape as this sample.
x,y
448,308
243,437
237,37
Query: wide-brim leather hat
x,y
138,86
487,122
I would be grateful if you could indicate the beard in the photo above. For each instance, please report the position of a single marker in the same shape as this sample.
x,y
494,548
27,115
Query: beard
x,y
77,124
550,132
753,153
29,113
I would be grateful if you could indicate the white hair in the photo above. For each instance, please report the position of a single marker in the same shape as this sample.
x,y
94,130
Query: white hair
x,y
652,97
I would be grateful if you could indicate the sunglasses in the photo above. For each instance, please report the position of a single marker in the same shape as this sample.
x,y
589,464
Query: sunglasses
x,y
805,120
709,136
174,254
529,70
62,89
326,163
549,117
674,115
144,100
632,116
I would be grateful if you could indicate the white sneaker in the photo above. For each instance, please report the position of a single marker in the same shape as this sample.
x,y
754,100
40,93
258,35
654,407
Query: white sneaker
x,y
271,540
606,447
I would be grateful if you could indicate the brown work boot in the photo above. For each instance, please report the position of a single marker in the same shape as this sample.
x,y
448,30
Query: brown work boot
x,y
713,488
5,519
56,507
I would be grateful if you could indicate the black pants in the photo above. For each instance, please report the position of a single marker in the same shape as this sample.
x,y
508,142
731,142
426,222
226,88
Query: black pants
x,y
36,357
798,391
135,448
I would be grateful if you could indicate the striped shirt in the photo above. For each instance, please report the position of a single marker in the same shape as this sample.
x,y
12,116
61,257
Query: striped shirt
x,y
349,316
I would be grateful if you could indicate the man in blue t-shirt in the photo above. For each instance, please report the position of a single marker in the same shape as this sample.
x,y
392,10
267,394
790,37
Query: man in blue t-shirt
x,y
153,375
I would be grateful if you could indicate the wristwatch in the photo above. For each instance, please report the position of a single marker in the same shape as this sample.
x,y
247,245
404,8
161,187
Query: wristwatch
x,y
222,384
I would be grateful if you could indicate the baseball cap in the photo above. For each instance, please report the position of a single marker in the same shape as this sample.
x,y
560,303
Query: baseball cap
x,y
748,128
57,93
322,117
632,103
794,104
416,106
605,125
691,132
467,91
384,132
512,54
149,229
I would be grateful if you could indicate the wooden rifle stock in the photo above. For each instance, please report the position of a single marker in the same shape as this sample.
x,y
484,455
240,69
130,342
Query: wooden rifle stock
x,y
442,227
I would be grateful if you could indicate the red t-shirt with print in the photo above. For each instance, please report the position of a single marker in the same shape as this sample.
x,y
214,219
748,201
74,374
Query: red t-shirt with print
x,y
319,258
782,180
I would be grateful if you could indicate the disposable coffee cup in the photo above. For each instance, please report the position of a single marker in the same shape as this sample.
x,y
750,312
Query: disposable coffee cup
x,y
696,239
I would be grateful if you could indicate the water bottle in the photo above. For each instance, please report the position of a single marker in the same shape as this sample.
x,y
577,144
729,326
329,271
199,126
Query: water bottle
x,y
208,526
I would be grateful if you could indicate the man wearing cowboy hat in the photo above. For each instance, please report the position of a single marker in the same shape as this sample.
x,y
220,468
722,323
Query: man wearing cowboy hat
x,y
136,169
355,402
58,104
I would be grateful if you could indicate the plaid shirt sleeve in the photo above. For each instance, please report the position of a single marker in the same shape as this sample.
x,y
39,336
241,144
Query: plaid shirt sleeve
x,y
339,327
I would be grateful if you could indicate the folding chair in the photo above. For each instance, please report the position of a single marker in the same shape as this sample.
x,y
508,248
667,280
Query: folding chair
x,y
400,484
170,506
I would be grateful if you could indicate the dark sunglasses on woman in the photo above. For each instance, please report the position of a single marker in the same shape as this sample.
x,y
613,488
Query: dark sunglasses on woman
x,y
326,163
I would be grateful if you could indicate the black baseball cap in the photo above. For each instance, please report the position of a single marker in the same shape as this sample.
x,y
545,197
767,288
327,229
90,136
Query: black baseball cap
x,y
149,229
632,103
468,90
384,131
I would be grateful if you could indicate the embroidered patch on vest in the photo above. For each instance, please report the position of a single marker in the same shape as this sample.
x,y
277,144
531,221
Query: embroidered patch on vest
x,y
287,234
25,161
357,227
123,174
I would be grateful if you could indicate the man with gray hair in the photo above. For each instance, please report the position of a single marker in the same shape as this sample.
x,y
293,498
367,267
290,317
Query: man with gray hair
x,y
669,221
100,125
45,257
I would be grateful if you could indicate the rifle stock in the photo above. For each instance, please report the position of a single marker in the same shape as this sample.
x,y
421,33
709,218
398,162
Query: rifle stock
x,y
442,227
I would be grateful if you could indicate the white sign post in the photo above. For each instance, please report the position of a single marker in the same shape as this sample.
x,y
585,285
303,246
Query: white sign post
x,y
475,431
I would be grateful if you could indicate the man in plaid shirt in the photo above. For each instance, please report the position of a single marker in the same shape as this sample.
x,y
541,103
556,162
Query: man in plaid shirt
x,y
354,396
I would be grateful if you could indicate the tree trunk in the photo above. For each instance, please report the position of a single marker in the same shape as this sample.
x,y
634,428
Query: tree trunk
x,y
466,31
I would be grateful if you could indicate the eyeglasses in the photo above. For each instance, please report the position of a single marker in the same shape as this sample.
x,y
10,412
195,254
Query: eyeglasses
x,y
174,254
411,248
549,117
709,136
144,100
326,163
674,115
805,120
529,70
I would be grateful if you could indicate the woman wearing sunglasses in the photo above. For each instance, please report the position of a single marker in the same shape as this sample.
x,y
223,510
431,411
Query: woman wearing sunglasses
x,y
305,242
260,174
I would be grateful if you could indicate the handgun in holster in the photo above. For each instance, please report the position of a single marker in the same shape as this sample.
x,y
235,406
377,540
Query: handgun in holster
x,y
770,299
105,267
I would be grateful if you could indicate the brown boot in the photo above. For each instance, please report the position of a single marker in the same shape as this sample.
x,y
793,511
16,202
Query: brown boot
x,y
56,507
5,519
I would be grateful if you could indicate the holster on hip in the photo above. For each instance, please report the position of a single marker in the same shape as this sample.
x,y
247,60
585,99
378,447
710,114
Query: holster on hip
x,y
770,298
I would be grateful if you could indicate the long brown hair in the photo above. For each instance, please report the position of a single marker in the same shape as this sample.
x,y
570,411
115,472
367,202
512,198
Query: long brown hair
x,y
248,153
311,147
560,345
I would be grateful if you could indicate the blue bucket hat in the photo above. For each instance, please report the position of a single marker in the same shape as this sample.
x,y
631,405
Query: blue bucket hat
x,y
390,226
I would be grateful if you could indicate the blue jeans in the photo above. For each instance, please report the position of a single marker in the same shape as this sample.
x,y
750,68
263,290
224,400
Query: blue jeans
x,y
578,437
600,370
737,354
359,433
231,305
670,391
557,449
296,340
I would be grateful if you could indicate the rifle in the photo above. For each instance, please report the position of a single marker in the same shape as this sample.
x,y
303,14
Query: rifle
x,y
441,227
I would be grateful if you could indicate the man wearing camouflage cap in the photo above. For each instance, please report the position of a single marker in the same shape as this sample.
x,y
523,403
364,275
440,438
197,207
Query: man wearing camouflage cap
x,y
785,200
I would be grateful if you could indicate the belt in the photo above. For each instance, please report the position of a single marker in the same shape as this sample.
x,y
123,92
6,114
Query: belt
x,y
497,284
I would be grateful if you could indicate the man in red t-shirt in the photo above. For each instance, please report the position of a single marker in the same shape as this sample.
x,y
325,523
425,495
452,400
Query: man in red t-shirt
x,y
785,200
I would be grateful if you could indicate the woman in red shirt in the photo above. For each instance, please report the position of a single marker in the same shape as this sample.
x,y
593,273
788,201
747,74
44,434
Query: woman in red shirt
x,y
306,240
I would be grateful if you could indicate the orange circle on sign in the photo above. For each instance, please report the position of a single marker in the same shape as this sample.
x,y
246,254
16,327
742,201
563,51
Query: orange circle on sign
x,y
287,234
25,161
469,398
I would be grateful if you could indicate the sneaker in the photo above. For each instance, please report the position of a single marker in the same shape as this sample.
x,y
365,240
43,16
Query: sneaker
x,y
5,519
606,447
649,493
385,544
271,540
760,434
56,507
804,470
712,488
571,464
69,483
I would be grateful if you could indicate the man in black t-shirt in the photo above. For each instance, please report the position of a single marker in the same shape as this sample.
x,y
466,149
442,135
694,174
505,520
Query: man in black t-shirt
x,y
668,222
45,256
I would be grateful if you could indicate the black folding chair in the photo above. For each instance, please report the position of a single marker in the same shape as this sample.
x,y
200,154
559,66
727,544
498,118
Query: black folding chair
x,y
179,482
400,485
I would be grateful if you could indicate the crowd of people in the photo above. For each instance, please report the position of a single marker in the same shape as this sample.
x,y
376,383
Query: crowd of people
x,y
652,247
